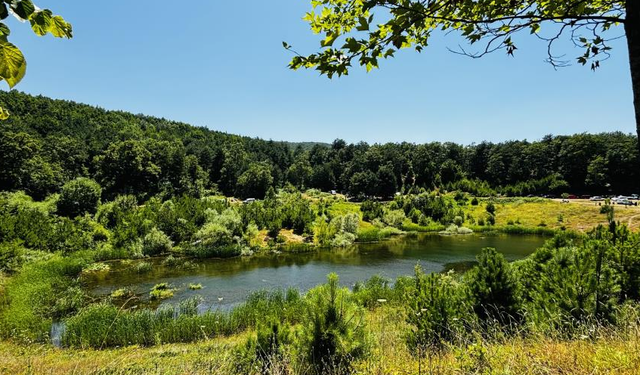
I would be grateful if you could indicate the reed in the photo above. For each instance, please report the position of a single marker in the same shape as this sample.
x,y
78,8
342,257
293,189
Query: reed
x,y
104,325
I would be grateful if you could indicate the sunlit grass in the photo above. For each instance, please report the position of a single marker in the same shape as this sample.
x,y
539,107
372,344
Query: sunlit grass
x,y
579,215
610,352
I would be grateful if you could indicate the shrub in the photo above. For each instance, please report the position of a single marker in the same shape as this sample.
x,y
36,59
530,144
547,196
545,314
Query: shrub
x,y
323,233
494,289
156,242
266,352
343,239
491,219
252,236
369,293
11,257
220,236
437,311
491,208
333,335
78,197
346,224
458,221
576,285
474,201
371,210
394,218
606,209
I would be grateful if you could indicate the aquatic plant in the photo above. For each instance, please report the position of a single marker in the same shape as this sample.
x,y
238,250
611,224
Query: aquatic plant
x,y
161,291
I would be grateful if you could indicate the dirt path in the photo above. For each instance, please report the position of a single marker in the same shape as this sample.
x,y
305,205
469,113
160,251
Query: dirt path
x,y
630,223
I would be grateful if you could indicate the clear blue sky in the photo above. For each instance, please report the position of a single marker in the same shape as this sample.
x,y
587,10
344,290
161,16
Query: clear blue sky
x,y
221,65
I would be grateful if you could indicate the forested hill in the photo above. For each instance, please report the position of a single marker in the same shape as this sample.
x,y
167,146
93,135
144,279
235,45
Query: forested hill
x,y
48,142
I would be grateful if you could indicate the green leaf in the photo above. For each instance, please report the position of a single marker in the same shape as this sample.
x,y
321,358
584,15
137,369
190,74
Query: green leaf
x,y
41,22
328,41
60,28
4,13
4,30
24,9
13,66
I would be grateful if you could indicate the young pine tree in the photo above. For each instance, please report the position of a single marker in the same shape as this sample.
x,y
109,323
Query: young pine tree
x,y
494,289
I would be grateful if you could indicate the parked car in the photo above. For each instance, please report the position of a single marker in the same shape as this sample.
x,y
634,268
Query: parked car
x,y
625,202
249,200
597,198
635,197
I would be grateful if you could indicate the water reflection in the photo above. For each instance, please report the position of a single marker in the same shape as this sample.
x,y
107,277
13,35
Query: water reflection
x,y
228,282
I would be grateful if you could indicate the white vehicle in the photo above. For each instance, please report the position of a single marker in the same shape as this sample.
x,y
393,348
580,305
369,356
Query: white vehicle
x,y
597,198
625,202
249,200
635,197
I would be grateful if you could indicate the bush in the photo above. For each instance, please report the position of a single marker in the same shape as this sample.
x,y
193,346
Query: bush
x,y
346,224
491,208
394,218
474,201
438,311
494,289
78,197
606,209
343,239
576,285
156,243
370,293
491,219
371,210
220,236
458,221
332,336
266,352
11,257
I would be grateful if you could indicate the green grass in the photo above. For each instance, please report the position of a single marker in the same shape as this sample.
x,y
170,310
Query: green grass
x,y
41,292
105,325
609,352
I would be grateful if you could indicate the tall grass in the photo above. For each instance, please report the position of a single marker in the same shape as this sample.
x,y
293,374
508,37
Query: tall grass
x,y
374,234
226,251
104,325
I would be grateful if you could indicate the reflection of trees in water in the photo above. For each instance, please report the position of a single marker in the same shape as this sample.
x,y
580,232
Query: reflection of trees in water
x,y
452,252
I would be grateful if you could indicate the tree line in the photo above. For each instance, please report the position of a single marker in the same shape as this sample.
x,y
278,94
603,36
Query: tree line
x,y
47,143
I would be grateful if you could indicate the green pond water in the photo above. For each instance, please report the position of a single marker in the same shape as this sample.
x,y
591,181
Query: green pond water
x,y
227,282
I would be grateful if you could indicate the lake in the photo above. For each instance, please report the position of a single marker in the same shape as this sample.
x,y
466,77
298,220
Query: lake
x,y
226,282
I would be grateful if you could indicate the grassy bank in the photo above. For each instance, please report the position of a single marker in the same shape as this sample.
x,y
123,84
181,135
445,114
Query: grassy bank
x,y
611,352
579,215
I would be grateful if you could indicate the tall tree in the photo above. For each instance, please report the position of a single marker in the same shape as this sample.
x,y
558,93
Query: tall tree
x,y
365,38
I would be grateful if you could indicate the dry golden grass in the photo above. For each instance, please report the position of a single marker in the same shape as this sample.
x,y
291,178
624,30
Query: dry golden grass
x,y
291,237
612,353
580,215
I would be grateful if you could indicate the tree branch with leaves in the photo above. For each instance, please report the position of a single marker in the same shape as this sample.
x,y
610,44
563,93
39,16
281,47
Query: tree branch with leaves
x,y
13,64
363,32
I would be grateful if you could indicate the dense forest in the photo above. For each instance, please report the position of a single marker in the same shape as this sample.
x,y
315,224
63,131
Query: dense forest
x,y
47,143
